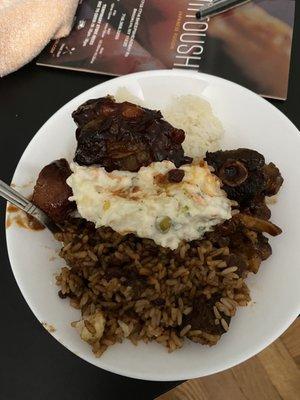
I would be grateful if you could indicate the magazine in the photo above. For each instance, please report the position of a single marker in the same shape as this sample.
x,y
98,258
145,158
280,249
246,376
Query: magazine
x,y
250,45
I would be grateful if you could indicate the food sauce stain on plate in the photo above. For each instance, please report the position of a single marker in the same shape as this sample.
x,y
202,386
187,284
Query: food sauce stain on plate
x,y
11,208
21,219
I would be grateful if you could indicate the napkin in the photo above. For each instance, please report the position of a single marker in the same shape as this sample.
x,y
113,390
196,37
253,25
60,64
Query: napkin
x,y
26,26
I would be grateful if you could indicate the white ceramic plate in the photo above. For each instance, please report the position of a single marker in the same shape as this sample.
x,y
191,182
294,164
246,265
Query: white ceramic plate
x,y
249,121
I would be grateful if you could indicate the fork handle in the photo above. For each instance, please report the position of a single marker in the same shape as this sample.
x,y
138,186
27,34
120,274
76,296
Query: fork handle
x,y
218,7
14,197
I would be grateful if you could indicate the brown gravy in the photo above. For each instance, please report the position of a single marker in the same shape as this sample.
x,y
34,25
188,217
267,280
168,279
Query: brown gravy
x,y
23,220
12,209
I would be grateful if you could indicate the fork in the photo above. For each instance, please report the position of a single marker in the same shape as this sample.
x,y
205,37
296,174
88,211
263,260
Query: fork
x,y
24,204
217,7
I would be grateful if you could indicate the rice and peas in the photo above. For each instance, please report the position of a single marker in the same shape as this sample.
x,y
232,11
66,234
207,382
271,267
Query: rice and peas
x,y
131,287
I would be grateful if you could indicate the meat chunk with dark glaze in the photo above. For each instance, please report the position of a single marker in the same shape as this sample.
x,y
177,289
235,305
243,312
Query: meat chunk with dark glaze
x,y
203,317
246,179
124,136
248,246
258,208
235,260
240,171
252,159
93,109
51,192
274,180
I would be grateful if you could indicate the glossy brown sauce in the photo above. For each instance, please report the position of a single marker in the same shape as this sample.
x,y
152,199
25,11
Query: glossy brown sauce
x,y
12,209
34,224
21,219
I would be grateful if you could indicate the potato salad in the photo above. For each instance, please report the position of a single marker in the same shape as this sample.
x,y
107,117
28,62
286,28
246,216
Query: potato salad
x,y
159,202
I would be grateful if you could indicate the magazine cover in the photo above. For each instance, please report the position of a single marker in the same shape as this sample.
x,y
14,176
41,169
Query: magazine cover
x,y
250,45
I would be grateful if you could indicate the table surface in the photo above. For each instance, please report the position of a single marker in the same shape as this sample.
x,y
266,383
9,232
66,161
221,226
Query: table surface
x,y
33,364
273,374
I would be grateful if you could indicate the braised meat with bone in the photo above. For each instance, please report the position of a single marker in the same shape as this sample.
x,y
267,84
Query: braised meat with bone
x,y
246,178
124,136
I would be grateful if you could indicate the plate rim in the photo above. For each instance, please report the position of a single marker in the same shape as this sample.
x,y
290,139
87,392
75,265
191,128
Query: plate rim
x,y
236,360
